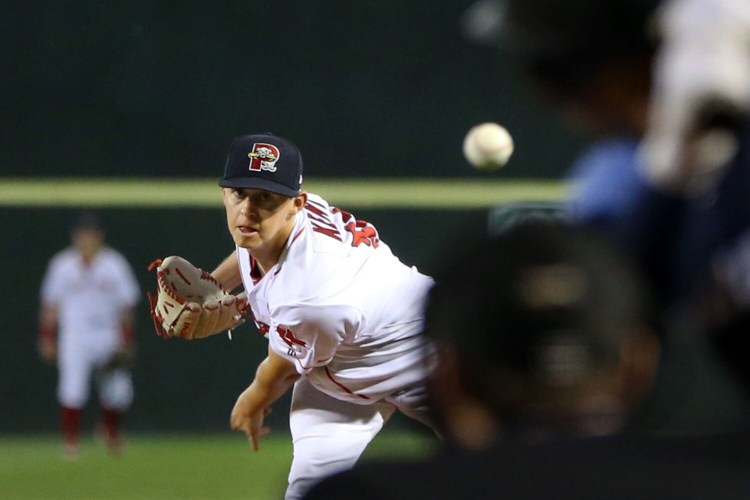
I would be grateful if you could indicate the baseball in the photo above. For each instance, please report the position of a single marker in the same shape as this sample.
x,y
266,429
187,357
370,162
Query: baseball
x,y
488,146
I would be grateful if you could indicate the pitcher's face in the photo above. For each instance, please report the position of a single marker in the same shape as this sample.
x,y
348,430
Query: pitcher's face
x,y
260,220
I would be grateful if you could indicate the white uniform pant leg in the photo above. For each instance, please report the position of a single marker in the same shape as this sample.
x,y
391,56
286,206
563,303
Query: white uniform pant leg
x,y
328,435
115,389
75,365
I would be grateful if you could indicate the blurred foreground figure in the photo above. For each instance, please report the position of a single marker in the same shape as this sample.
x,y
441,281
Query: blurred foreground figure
x,y
544,352
545,336
88,295
663,87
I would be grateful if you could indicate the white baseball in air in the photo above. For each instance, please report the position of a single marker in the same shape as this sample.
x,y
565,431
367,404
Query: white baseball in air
x,y
488,146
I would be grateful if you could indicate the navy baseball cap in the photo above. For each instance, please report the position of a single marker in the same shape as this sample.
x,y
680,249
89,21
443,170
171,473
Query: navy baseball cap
x,y
264,161
87,221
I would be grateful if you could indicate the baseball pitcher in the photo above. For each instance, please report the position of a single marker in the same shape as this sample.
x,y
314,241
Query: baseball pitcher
x,y
342,314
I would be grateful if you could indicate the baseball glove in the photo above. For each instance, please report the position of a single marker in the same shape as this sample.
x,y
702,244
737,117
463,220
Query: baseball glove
x,y
122,359
190,304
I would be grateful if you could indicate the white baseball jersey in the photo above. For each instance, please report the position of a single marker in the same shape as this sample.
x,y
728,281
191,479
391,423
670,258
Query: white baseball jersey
x,y
339,305
89,298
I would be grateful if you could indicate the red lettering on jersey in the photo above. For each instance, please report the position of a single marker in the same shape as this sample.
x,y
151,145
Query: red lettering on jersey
x,y
333,233
321,221
318,212
315,207
287,336
262,327
362,232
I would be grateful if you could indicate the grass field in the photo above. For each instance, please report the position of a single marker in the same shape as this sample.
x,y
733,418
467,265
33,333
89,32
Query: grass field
x,y
163,467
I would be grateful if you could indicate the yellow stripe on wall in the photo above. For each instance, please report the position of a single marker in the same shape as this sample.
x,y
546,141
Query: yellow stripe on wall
x,y
365,193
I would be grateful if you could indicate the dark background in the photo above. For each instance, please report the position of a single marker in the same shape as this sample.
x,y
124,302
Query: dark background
x,y
366,88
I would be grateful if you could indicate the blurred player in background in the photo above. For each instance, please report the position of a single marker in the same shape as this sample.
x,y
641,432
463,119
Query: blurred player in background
x,y
342,314
546,350
86,327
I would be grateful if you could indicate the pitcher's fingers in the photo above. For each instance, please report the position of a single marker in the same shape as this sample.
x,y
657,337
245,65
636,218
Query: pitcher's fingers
x,y
235,422
263,431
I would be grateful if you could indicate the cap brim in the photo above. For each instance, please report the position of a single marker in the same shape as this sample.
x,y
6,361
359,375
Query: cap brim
x,y
258,183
